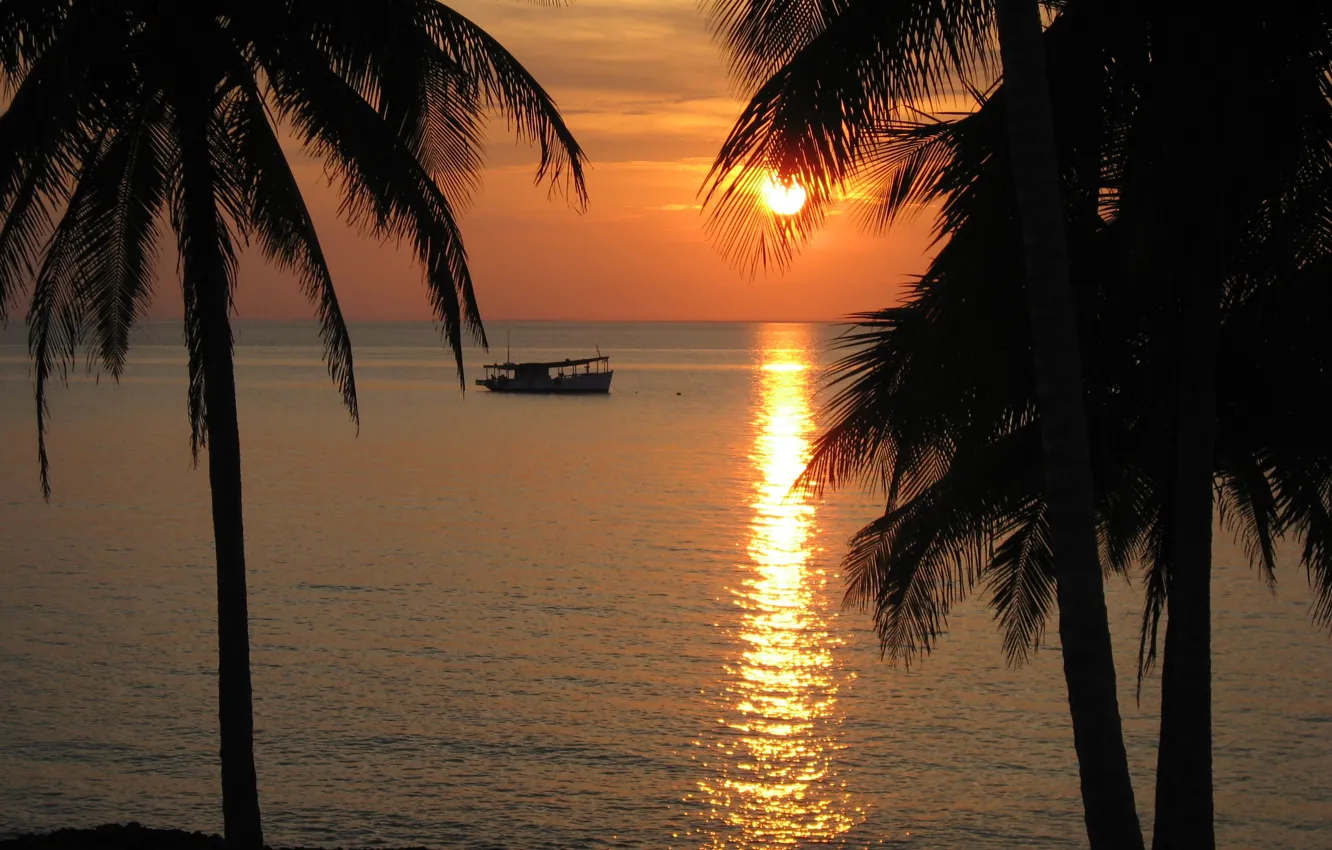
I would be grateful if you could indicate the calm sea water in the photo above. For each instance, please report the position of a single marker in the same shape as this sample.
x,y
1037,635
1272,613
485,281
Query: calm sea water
x,y
494,621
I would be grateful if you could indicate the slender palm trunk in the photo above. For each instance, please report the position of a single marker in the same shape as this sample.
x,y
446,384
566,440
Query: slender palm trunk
x,y
1084,630
240,792
1184,813
205,268
1192,203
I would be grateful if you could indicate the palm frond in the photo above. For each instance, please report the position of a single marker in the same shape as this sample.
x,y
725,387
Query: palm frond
x,y
27,221
949,367
857,443
1126,491
911,566
46,132
507,85
909,586
27,30
928,44
1276,463
904,168
759,36
420,64
56,315
385,189
1304,487
1157,558
285,232
1020,576
126,195
1249,508
810,120
391,59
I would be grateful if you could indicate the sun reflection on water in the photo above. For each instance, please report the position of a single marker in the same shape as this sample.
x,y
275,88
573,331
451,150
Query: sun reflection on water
x,y
771,778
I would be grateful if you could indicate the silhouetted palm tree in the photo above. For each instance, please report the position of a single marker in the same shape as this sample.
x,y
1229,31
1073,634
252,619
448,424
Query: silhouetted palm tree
x,y
936,401
130,116
1179,222
829,78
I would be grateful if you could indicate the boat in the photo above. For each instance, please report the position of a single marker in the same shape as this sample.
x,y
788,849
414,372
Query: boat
x,y
587,375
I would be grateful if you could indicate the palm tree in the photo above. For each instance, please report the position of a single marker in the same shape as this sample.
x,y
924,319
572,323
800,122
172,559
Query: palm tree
x,y
1179,219
936,401
829,77
127,117
1084,629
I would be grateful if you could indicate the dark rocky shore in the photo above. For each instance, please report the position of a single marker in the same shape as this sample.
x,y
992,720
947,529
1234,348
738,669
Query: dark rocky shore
x,y
129,836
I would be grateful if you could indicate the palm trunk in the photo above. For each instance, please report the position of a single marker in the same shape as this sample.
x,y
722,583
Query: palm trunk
x,y
1191,237
1084,629
240,790
207,279
1184,816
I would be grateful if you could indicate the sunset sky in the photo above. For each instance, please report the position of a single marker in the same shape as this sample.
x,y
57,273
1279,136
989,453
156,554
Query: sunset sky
x,y
644,88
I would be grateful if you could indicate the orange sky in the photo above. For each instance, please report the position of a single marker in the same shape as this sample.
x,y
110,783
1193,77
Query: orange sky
x,y
644,89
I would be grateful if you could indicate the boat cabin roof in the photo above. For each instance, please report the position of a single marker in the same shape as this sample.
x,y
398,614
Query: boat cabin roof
x,y
552,364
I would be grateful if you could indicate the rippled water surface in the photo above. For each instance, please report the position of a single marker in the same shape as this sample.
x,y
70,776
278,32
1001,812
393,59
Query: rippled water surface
x,y
548,622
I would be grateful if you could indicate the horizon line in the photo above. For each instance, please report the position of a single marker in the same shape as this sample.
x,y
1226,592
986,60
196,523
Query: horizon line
x,y
350,321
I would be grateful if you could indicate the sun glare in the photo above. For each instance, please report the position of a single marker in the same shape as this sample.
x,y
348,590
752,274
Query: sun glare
x,y
773,779
783,198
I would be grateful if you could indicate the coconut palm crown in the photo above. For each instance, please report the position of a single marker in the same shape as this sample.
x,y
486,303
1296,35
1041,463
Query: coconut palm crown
x,y
118,107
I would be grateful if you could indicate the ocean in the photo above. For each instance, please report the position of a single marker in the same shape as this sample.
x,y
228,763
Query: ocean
x,y
496,621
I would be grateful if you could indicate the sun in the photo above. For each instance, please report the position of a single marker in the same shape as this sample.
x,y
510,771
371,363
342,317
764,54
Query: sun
x,y
783,198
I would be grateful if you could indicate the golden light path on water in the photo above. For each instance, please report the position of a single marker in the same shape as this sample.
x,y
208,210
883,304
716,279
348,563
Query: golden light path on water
x,y
771,778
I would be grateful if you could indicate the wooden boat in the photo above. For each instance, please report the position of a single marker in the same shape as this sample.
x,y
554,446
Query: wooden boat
x,y
588,375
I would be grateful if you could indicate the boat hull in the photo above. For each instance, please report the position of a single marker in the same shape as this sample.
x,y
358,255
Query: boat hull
x,y
596,382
